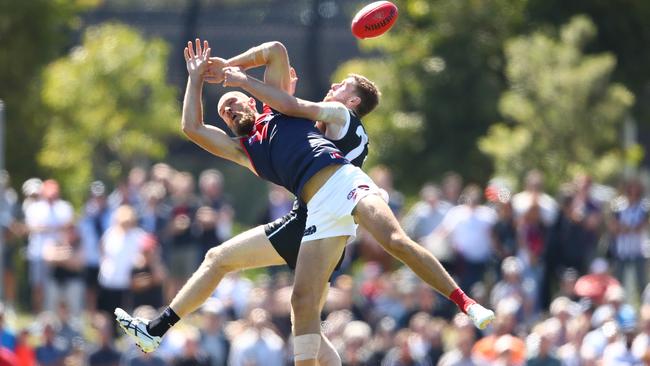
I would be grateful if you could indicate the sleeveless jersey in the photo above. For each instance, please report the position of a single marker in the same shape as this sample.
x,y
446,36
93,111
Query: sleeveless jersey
x,y
354,141
288,151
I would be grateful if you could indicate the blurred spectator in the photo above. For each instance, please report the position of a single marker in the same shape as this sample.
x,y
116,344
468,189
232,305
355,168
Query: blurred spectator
x,y
234,293
628,225
213,339
183,249
120,247
543,339
105,353
46,220
128,193
383,177
641,344
451,186
24,351
426,214
406,352
492,348
382,340
280,201
461,353
64,256
619,352
7,337
595,284
8,358
587,213
258,343
514,285
95,220
504,233
154,212
52,350
68,329
434,333
569,352
11,231
469,227
192,355
206,229
31,189
534,193
356,344
215,228
532,233
148,274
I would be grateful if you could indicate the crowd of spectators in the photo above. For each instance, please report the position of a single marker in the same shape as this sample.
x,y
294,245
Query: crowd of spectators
x,y
564,272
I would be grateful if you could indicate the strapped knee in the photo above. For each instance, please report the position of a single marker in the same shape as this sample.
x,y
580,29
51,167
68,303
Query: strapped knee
x,y
306,346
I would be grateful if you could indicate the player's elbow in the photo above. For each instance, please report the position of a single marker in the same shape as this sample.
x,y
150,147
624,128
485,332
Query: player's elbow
x,y
277,49
190,130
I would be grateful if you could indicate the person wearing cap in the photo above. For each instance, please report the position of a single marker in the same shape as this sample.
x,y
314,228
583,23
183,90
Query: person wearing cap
x,y
46,221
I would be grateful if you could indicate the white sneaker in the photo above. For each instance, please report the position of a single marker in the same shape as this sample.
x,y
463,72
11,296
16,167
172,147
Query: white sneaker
x,y
480,316
137,329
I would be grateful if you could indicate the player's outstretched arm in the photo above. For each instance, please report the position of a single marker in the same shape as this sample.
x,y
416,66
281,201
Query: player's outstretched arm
x,y
333,113
211,138
273,55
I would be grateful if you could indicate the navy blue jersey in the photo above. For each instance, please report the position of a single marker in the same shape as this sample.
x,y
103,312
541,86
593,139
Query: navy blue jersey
x,y
288,151
285,233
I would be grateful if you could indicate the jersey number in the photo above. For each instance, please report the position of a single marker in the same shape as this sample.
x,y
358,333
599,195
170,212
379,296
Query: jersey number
x,y
354,153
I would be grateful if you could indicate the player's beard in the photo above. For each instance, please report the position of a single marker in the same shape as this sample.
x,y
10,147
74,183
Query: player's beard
x,y
246,123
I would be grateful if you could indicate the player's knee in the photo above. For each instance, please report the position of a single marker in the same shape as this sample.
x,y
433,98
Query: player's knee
x,y
397,244
303,302
214,258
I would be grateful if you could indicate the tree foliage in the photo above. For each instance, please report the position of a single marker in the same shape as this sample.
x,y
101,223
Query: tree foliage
x,y
32,33
440,79
564,115
109,106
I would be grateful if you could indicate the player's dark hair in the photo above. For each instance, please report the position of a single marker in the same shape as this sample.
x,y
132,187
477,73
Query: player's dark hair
x,y
368,92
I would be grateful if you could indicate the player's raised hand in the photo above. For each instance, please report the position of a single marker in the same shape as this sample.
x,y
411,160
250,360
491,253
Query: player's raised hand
x,y
233,76
197,60
214,73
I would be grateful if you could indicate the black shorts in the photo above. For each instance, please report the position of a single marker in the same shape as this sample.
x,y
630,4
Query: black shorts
x,y
285,234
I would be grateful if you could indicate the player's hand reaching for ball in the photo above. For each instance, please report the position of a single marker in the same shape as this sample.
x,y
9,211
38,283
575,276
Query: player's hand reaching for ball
x,y
214,73
197,60
233,76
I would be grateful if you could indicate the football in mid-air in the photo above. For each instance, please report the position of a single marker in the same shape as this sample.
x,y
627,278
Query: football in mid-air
x,y
374,19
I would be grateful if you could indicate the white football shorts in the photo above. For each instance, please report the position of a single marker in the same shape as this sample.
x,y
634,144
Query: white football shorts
x,y
329,212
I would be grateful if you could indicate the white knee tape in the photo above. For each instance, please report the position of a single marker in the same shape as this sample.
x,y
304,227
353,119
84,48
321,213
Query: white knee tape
x,y
305,347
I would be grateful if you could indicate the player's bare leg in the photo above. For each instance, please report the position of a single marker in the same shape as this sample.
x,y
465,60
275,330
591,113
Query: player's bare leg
x,y
327,354
316,262
374,215
250,249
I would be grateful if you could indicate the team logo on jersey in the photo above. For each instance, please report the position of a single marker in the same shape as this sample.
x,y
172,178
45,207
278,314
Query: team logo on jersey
x,y
353,192
310,230
336,155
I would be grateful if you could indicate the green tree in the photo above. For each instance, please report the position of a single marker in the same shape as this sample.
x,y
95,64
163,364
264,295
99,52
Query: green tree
x,y
564,115
440,76
110,106
32,33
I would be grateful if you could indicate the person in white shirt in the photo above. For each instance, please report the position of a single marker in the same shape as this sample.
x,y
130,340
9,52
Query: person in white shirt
x,y
468,226
45,220
120,248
